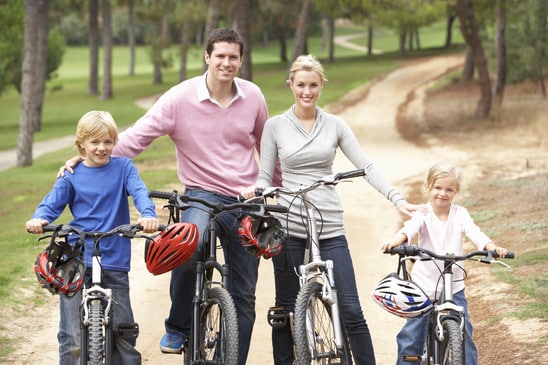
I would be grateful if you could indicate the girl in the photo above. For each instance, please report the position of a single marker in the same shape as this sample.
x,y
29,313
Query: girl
x,y
440,230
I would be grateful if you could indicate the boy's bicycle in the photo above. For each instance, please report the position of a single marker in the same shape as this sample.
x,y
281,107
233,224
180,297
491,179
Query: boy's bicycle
x,y
444,343
318,334
97,303
214,330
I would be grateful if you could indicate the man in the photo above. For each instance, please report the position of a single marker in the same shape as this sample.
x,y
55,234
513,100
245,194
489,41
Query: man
x,y
215,121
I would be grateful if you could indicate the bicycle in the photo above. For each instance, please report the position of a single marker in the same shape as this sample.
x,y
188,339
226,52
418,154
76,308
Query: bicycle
x,y
97,330
214,329
318,334
444,343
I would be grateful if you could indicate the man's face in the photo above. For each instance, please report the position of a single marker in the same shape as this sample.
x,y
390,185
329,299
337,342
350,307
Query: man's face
x,y
224,61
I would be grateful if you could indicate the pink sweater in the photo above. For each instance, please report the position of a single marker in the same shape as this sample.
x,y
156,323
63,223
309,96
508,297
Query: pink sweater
x,y
215,147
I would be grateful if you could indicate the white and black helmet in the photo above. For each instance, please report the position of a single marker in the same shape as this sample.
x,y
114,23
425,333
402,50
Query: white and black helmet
x,y
402,298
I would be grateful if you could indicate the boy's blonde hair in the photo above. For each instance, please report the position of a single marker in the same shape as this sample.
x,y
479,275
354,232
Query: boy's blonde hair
x,y
441,170
306,63
94,124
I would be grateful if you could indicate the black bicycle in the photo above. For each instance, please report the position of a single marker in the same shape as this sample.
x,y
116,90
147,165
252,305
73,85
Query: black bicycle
x,y
444,343
214,330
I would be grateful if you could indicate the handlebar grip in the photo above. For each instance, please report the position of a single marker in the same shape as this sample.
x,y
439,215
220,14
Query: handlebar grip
x,y
276,208
509,255
160,194
350,174
51,227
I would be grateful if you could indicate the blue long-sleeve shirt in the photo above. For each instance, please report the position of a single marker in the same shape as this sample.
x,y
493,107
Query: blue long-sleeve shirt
x,y
98,200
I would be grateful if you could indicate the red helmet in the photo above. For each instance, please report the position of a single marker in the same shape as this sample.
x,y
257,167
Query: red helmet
x,y
59,268
261,235
171,248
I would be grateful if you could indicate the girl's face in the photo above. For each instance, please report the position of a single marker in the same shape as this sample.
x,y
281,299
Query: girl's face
x,y
442,192
307,87
98,149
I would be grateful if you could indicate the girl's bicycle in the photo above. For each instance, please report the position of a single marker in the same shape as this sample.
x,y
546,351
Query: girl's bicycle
x,y
445,338
318,334
214,331
61,261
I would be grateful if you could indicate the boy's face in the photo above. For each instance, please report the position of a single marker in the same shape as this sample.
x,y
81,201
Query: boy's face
x,y
97,150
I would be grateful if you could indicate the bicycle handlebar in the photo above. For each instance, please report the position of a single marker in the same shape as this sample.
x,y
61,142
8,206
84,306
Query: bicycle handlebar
x,y
180,201
424,254
124,230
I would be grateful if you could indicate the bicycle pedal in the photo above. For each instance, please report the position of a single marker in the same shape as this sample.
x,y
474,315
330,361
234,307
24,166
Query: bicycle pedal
x,y
128,330
411,358
277,317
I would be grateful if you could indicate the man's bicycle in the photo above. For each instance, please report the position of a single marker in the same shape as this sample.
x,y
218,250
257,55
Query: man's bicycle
x,y
445,338
60,269
214,330
318,334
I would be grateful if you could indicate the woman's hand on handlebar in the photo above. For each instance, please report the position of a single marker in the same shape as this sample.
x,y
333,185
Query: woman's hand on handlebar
x,y
149,224
249,192
36,225
69,164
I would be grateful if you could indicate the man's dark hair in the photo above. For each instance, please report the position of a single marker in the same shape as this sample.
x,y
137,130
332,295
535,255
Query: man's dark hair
x,y
224,35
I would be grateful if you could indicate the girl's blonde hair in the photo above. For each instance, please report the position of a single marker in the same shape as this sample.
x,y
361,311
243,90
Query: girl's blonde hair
x,y
93,124
439,171
306,63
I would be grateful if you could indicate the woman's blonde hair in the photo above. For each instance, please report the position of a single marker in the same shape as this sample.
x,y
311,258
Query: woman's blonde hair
x,y
93,124
306,63
441,170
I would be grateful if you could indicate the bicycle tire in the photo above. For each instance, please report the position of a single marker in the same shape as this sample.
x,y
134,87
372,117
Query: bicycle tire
x,y
218,333
96,336
453,345
313,332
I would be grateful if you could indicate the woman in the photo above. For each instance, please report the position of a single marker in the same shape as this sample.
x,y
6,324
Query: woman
x,y
305,140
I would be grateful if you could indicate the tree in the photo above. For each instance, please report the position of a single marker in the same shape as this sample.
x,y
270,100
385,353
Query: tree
x,y
33,73
107,50
500,47
243,18
300,46
470,32
93,43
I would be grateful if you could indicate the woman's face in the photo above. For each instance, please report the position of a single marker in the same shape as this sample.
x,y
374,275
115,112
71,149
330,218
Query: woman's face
x,y
307,87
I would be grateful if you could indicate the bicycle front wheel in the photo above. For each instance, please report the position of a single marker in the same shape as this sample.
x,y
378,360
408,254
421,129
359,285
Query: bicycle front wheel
x,y
218,331
313,331
96,334
453,344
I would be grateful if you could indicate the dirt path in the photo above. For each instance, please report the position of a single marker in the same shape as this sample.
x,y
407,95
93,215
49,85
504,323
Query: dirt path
x,y
369,220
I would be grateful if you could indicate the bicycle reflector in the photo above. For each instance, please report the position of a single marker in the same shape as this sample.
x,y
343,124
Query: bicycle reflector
x,y
59,269
402,298
261,235
171,248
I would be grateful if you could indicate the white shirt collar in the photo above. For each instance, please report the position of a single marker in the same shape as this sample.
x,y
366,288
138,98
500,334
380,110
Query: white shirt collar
x,y
203,92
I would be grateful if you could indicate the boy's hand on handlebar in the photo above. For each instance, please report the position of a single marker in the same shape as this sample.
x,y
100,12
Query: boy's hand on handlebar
x,y
36,225
69,164
149,224
408,209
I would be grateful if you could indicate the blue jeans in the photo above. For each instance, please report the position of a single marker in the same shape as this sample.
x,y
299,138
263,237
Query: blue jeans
x,y
243,272
413,334
287,288
69,335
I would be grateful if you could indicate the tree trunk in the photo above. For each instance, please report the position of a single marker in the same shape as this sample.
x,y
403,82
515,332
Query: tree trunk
x,y
470,32
131,35
280,31
107,51
93,41
40,70
500,46
299,47
30,98
449,30
370,30
468,67
243,26
212,21
331,36
185,45
402,43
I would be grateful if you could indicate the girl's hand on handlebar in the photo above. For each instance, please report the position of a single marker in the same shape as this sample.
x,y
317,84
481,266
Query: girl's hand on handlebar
x,y
36,225
501,251
69,164
149,224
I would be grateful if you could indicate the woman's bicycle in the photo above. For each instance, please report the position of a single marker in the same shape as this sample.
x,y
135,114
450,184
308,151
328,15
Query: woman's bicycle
x,y
318,334
214,330
97,329
445,336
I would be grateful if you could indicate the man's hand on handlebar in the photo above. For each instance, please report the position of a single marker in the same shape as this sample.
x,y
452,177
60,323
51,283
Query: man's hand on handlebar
x,y
69,164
